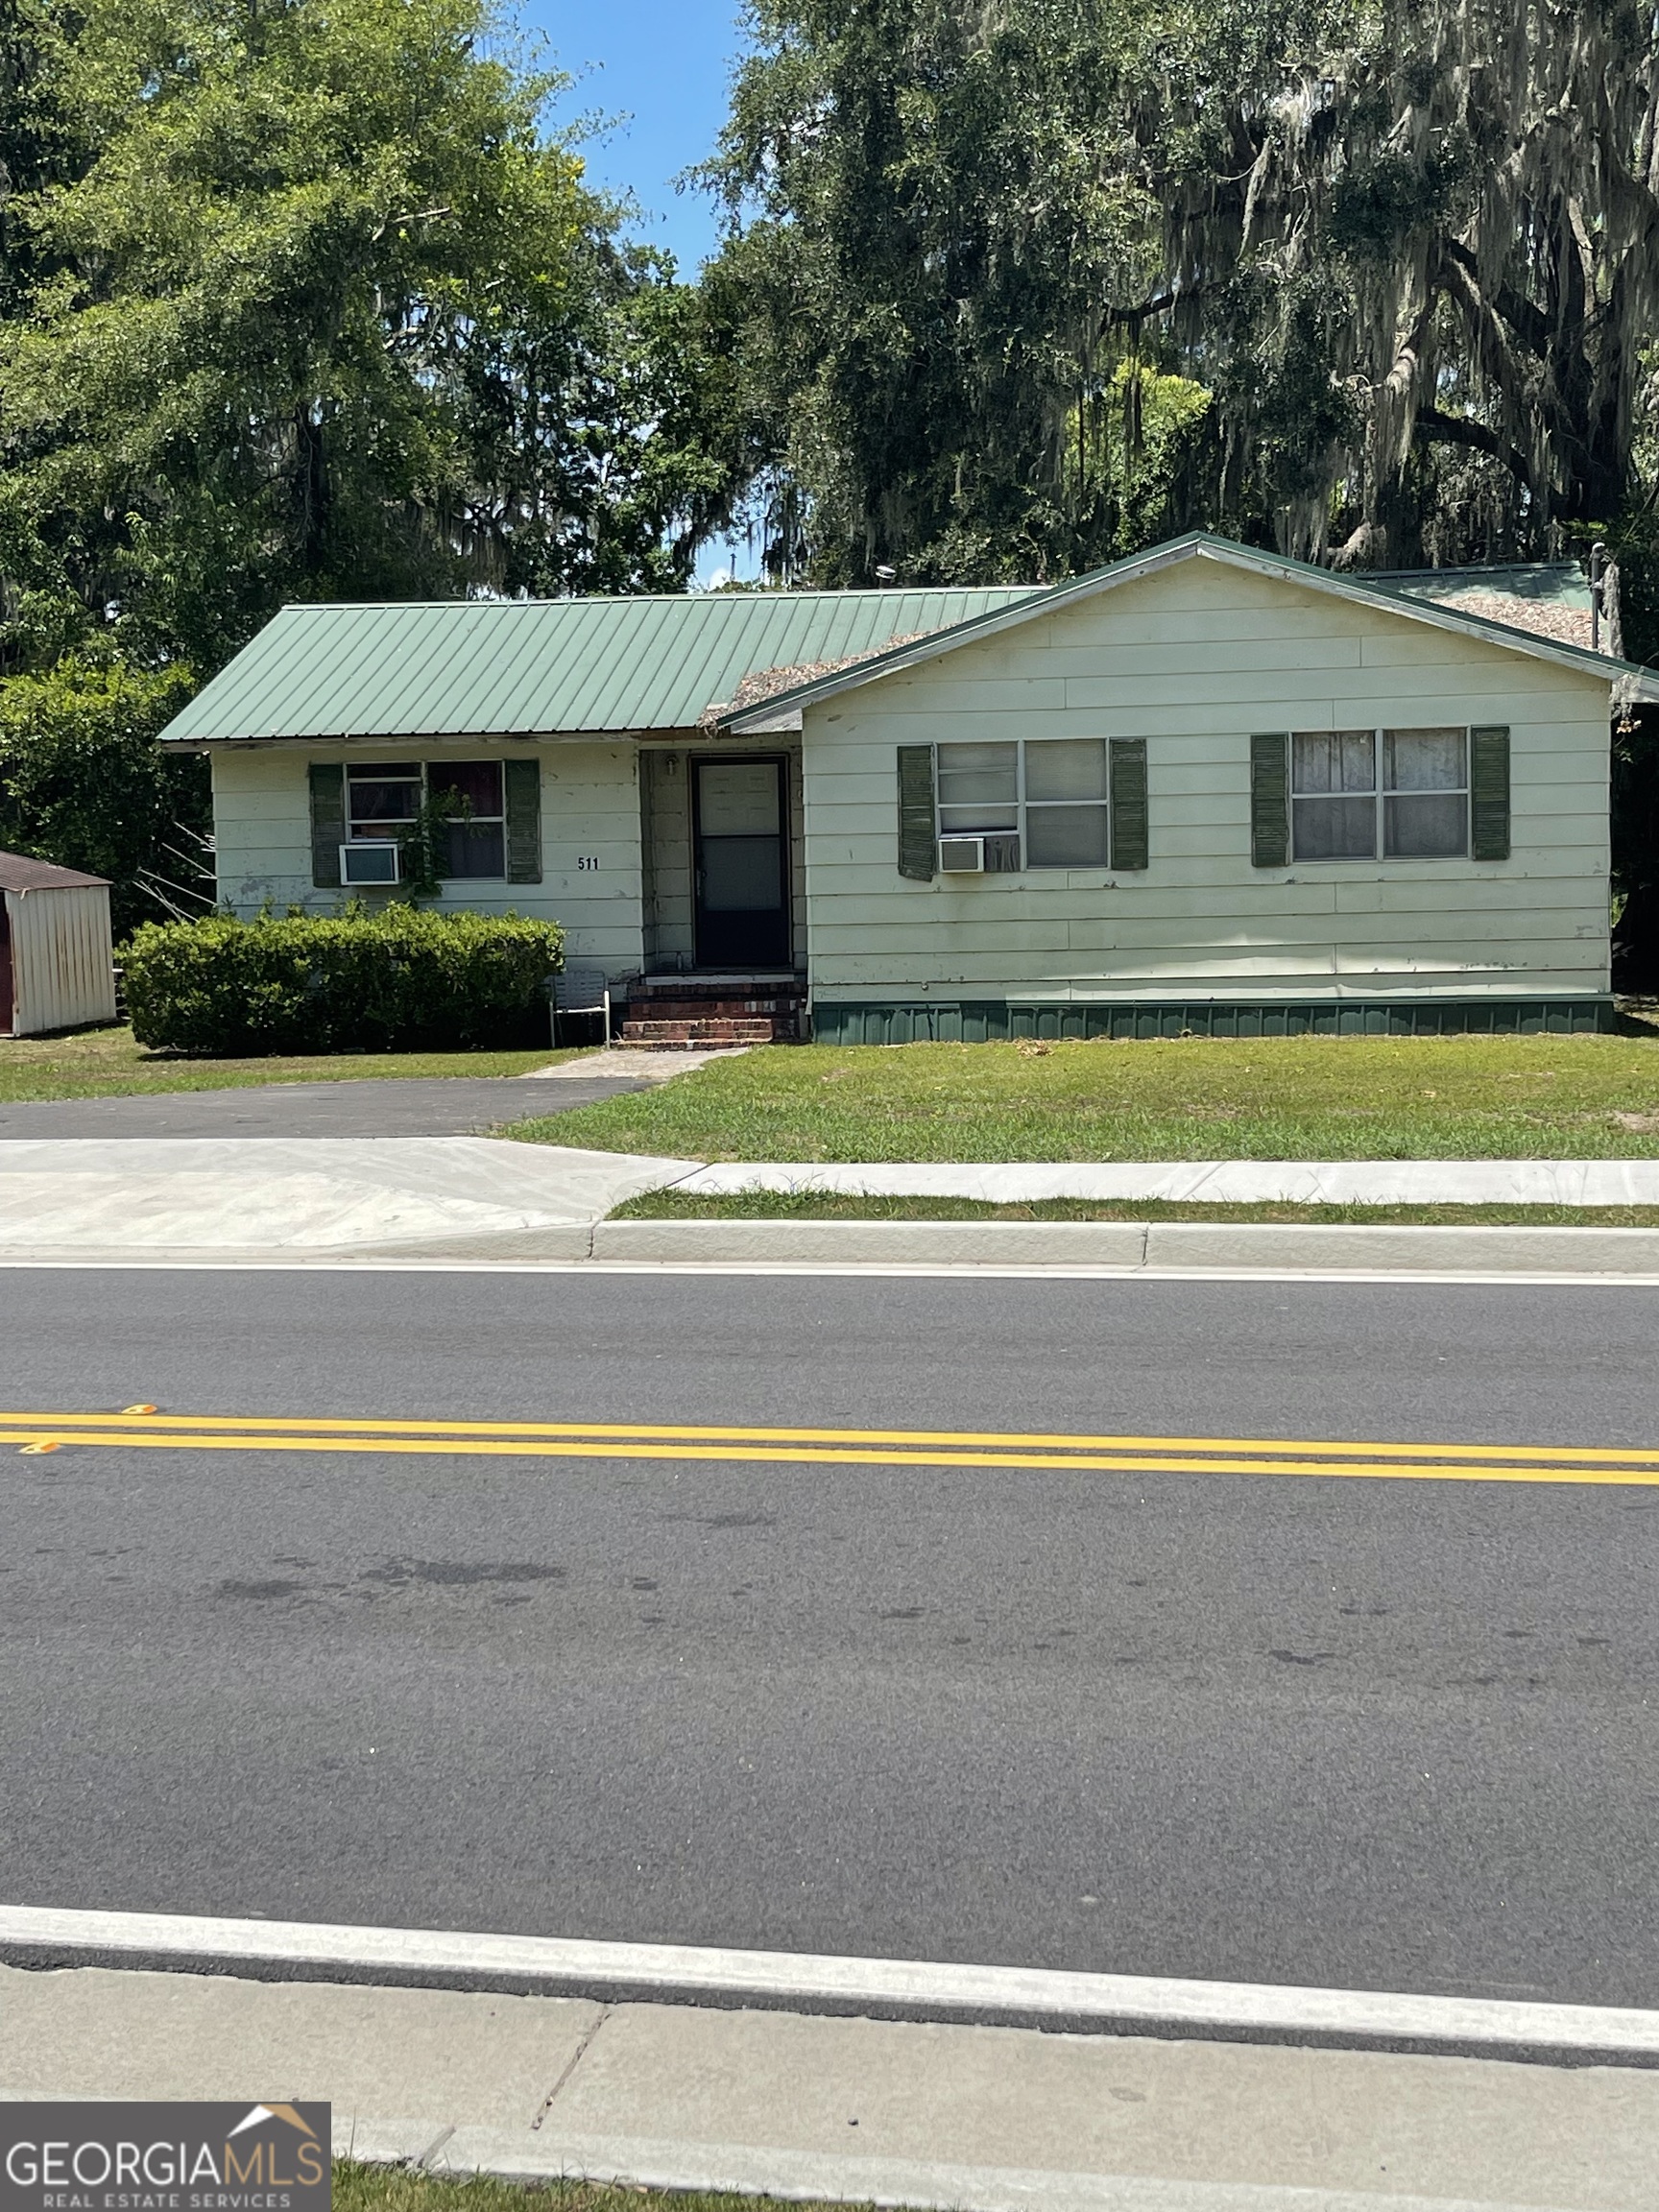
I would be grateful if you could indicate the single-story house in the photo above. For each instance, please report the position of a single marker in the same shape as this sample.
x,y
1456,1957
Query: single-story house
x,y
1206,788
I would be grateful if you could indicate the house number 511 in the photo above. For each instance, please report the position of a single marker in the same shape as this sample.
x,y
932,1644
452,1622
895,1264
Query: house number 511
x,y
588,861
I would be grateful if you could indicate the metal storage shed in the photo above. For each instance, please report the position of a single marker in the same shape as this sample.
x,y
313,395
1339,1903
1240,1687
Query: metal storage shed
x,y
56,969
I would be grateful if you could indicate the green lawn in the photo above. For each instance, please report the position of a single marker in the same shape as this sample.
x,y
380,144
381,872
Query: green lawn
x,y
834,1206
1178,1098
395,2189
105,1062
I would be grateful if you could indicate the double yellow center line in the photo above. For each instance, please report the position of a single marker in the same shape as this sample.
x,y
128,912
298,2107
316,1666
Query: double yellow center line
x,y
146,1428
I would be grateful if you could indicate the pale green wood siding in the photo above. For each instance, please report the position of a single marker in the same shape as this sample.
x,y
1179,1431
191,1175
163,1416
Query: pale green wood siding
x,y
590,810
1195,660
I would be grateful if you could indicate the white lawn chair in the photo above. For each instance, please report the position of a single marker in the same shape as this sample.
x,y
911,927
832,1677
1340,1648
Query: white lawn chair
x,y
581,991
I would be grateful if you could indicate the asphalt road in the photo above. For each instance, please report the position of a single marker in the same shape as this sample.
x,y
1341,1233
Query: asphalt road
x,y
1368,1733
421,1106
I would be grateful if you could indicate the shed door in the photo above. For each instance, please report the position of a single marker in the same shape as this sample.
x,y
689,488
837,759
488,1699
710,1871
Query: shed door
x,y
742,877
7,997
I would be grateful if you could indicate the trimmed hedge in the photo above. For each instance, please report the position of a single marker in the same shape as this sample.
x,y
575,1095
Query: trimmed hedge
x,y
396,979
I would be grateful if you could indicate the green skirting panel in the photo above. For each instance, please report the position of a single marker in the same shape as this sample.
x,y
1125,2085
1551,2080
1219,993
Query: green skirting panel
x,y
991,1020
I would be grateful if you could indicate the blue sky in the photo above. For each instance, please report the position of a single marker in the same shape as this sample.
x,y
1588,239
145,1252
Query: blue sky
x,y
664,64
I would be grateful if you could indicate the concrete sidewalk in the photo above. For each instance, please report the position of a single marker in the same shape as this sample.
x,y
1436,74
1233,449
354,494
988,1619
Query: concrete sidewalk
x,y
1211,1182
985,2119
474,1201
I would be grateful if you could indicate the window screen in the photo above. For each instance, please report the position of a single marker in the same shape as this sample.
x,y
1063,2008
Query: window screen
x,y
384,798
381,801
1401,793
1426,793
978,788
474,843
1051,791
1065,803
1334,794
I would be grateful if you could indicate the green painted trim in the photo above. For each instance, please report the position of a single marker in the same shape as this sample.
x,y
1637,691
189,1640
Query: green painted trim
x,y
995,1020
327,780
523,804
1131,850
1489,792
918,848
1270,800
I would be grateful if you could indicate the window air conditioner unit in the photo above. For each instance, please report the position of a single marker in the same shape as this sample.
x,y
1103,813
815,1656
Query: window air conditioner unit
x,y
370,860
961,855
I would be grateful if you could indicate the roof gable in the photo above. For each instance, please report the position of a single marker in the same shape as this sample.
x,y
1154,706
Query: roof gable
x,y
1197,545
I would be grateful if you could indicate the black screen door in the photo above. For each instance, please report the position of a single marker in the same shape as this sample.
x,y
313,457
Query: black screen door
x,y
742,875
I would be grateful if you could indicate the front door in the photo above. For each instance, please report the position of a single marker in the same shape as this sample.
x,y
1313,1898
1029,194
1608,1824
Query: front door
x,y
742,864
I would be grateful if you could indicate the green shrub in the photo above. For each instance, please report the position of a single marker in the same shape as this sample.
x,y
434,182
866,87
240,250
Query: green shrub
x,y
398,979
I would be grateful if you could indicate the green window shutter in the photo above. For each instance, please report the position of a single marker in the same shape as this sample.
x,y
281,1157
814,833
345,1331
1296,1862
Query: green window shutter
x,y
1129,835
918,854
328,822
523,782
1489,793
1270,801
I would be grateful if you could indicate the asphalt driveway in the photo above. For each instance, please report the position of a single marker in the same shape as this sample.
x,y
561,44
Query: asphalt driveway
x,y
386,1106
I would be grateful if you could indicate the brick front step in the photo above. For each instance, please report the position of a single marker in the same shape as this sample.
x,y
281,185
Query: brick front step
x,y
785,1010
704,1031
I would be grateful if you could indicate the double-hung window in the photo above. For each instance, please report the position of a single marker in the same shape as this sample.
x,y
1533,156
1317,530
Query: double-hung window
x,y
475,835
1394,794
383,801
1037,802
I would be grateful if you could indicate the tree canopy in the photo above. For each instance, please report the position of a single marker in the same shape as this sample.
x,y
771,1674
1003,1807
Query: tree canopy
x,y
303,300
318,306
1409,249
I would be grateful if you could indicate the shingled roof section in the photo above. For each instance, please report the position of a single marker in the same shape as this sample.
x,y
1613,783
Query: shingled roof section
x,y
1549,598
19,873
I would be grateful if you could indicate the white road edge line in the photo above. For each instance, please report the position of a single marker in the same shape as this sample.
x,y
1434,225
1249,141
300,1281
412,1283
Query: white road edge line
x,y
667,1973
960,1271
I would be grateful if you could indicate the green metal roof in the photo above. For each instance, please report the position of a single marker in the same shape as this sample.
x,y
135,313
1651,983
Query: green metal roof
x,y
462,669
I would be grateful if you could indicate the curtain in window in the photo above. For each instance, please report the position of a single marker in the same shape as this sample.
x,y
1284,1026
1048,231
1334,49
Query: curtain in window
x,y
1334,786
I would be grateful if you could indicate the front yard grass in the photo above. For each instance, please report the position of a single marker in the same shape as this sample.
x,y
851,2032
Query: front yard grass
x,y
842,1206
1176,1098
397,2189
109,1063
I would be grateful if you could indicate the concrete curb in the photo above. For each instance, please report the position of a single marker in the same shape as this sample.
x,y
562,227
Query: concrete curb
x,y
1155,1251
871,1988
1269,1247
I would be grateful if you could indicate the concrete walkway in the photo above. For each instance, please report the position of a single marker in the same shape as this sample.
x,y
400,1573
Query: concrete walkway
x,y
633,1062
1218,1182
896,2112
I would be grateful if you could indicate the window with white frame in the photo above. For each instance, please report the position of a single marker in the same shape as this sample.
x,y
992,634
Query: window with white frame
x,y
474,837
383,801
1042,800
1394,794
